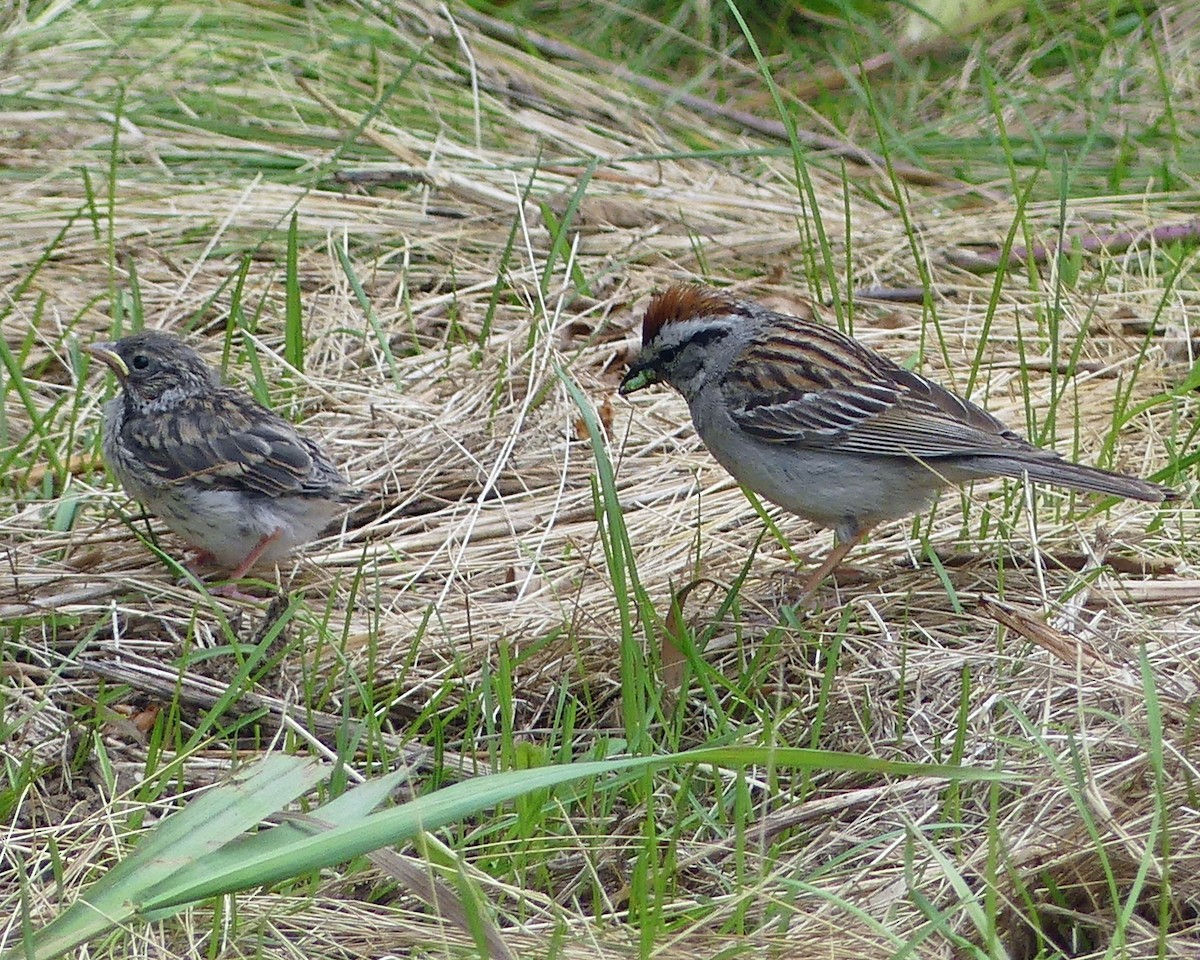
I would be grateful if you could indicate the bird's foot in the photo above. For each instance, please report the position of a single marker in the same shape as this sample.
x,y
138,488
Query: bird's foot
x,y
230,591
828,566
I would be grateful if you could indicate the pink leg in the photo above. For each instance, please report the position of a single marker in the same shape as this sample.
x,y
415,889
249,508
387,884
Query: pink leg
x,y
252,557
230,589
829,564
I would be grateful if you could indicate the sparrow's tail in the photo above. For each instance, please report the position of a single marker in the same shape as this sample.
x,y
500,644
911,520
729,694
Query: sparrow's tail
x,y
1077,476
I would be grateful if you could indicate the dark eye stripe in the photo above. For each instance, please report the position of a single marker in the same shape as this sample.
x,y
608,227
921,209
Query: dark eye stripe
x,y
701,338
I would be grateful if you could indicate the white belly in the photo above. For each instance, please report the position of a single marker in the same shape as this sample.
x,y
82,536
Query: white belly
x,y
230,524
848,492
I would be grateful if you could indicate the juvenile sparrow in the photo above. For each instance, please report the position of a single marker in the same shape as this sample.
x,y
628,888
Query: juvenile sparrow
x,y
822,425
234,479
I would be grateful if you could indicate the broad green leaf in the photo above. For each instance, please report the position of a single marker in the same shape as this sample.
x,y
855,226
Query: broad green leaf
x,y
206,825
200,852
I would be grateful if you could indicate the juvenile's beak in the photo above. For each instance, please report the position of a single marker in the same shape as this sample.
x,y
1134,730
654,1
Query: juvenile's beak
x,y
106,353
637,377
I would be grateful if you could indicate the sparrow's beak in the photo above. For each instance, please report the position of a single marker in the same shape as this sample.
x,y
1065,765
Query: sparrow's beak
x,y
637,377
107,354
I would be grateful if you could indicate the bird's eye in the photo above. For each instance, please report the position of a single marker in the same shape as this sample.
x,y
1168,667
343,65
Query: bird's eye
x,y
140,361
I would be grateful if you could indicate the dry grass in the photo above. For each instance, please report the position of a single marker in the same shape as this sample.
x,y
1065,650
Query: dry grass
x,y
482,531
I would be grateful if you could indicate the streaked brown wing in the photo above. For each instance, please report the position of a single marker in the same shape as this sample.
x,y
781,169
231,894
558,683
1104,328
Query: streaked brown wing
x,y
226,440
812,386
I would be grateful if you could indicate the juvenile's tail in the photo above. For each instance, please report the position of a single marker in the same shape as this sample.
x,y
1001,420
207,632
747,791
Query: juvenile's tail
x,y
1077,476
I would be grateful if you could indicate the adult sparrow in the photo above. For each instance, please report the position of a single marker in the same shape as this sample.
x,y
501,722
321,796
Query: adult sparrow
x,y
824,426
234,479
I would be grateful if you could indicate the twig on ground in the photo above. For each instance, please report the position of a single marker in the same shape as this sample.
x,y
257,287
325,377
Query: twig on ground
x,y
898,294
987,259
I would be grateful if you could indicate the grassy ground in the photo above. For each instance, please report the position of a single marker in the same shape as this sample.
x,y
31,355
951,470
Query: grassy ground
x,y
428,239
